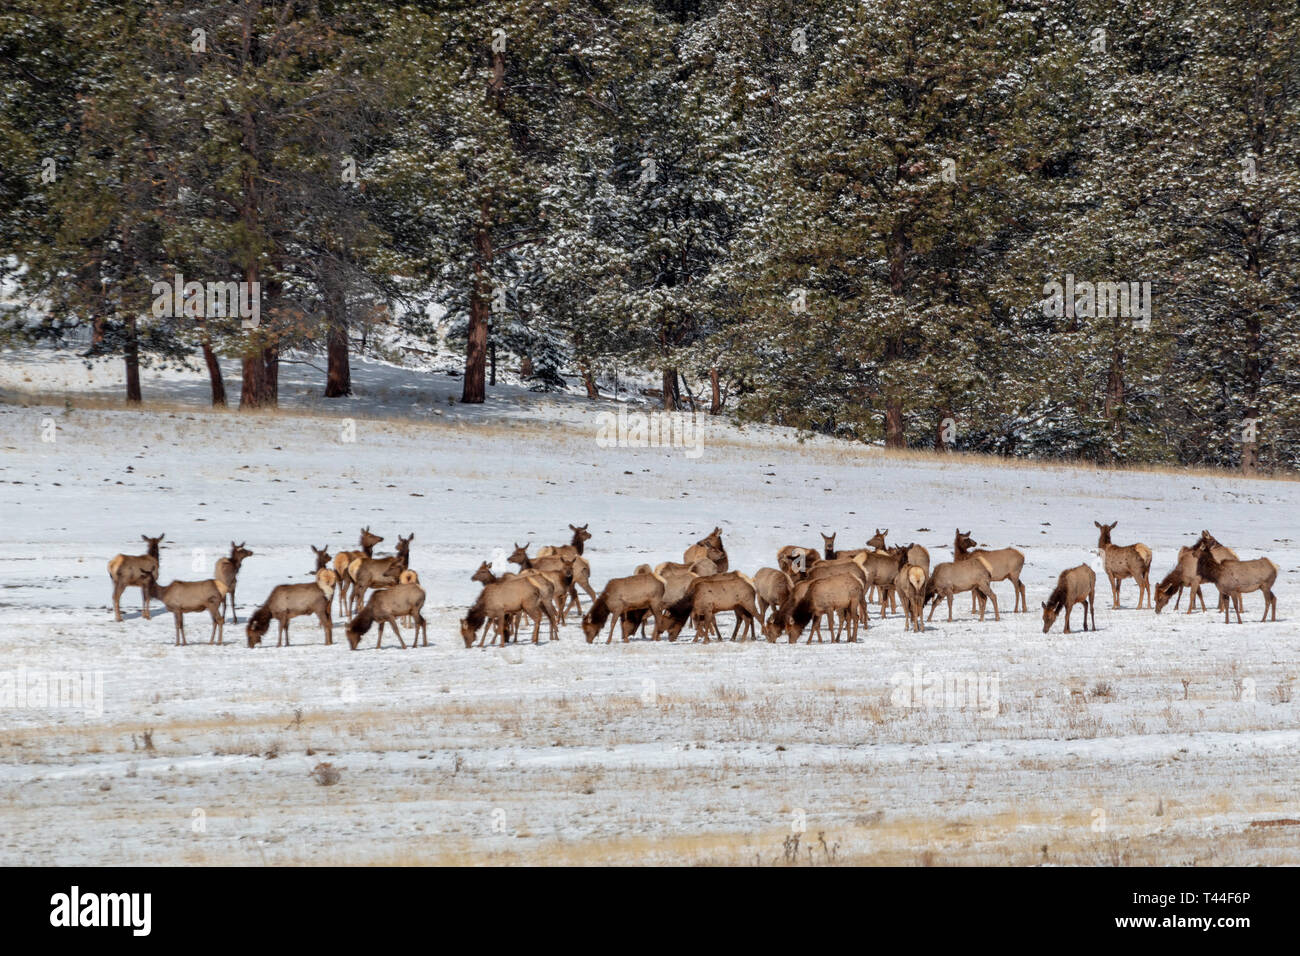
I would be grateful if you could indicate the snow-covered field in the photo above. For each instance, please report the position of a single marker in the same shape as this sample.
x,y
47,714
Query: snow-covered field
x,y
1165,739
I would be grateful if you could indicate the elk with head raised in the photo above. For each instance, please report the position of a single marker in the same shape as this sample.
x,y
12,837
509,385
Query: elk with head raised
x,y
1235,578
1005,564
134,570
1125,561
1073,586
344,558
555,564
228,569
186,597
709,547
287,601
580,570
386,605
366,573
1184,576
322,557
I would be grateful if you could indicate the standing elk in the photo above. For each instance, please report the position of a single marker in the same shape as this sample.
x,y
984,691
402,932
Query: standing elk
x,y
909,585
795,560
1235,578
954,577
366,573
579,568
1073,586
1182,576
287,601
549,584
620,595
1006,564
386,606
772,588
129,570
710,547
567,569
839,594
186,597
704,599
345,558
1125,561
497,602
228,569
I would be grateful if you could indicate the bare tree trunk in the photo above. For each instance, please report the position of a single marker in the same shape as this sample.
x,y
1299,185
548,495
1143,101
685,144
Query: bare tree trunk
x,y
132,356
894,434
338,377
715,404
589,382
492,361
215,378
671,397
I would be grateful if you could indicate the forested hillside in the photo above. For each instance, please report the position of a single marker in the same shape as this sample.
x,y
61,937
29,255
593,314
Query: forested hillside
x,y
1049,228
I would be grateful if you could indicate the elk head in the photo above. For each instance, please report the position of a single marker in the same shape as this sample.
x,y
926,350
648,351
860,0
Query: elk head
x,y
519,555
322,557
153,543
237,554
878,540
368,540
1104,538
484,574
580,534
1049,617
828,545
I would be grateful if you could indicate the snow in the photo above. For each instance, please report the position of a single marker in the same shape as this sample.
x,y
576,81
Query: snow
x,y
587,753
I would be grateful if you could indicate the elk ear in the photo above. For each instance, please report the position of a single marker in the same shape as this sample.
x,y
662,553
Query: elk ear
x,y
1044,605
1097,523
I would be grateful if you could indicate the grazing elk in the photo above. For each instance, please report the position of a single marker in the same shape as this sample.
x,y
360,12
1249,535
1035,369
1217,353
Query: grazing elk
x,y
620,595
1073,586
549,584
840,594
497,602
909,585
386,606
345,558
228,569
1125,561
287,601
186,597
709,547
704,599
366,573
129,570
1182,576
772,588
857,568
954,577
1006,564
1235,578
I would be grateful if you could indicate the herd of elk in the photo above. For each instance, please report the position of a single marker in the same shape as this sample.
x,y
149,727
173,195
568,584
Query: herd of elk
x,y
807,586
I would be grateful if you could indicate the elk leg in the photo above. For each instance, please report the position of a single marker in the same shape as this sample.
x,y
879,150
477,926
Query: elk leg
x,y
399,635
1068,605
144,596
118,588
1179,596
231,597
950,607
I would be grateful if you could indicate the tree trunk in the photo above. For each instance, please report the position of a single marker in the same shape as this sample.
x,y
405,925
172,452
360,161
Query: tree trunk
x,y
894,434
492,361
132,356
671,397
939,432
214,369
715,403
589,382
474,391
338,378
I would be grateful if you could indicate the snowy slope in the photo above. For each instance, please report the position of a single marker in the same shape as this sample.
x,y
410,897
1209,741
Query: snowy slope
x,y
1090,745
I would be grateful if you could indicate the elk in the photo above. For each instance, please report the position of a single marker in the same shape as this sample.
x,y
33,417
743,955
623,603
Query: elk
x,y
772,588
366,573
881,568
703,600
129,570
855,567
287,601
322,557
916,554
497,602
1126,561
185,597
572,553
909,585
386,606
1006,564
554,564
549,585
1235,578
1182,576
228,569
710,547
345,558
1073,586
829,552
840,594
701,568
620,595
792,559
953,577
